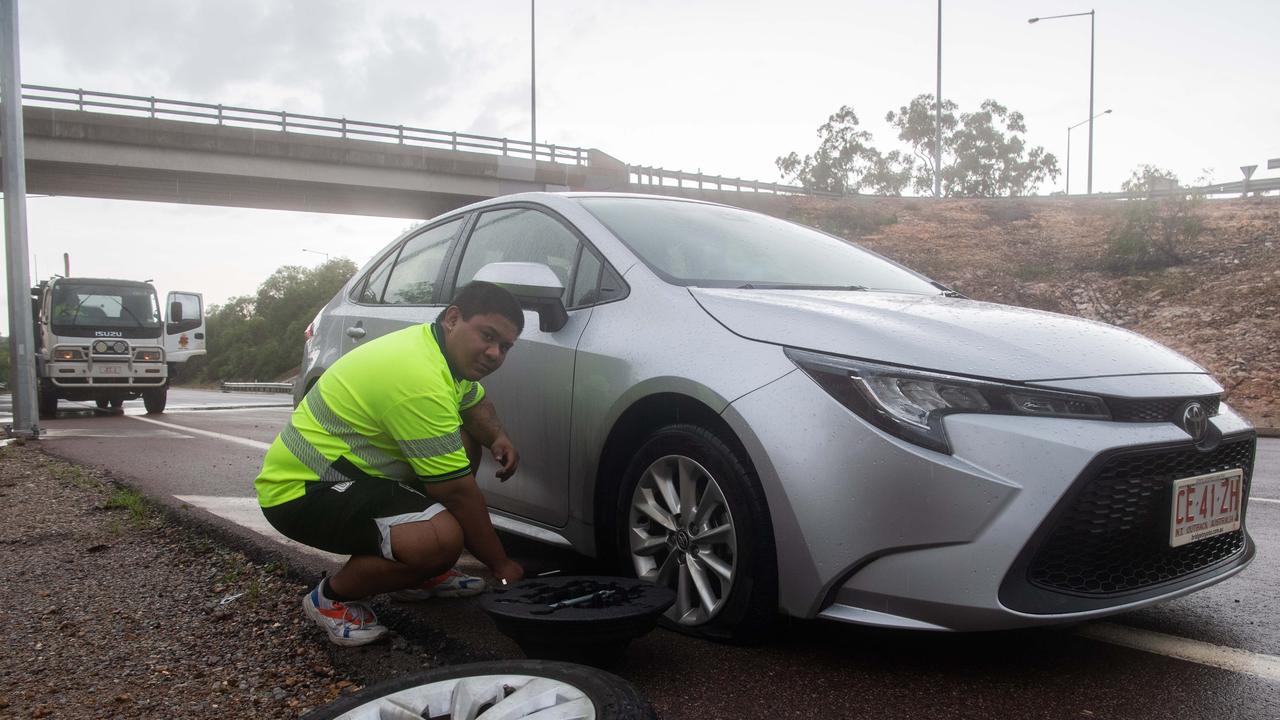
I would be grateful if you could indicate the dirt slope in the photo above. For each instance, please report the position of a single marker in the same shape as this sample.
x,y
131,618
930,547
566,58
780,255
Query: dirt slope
x,y
1220,306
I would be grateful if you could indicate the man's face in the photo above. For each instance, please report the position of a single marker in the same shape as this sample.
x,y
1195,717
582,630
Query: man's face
x,y
477,347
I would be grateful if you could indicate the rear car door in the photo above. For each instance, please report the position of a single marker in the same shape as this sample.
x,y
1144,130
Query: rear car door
x,y
401,290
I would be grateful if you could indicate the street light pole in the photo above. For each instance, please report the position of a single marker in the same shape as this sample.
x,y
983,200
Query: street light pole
x,y
533,78
317,252
1073,127
937,139
1091,115
22,373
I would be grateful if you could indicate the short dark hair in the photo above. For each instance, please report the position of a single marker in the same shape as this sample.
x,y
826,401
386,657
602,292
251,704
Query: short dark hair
x,y
483,298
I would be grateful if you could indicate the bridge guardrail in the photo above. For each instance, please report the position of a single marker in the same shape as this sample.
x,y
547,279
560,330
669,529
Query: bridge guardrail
x,y
235,116
264,387
645,175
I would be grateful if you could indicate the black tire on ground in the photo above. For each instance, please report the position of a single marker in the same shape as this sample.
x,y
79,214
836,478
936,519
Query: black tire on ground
x,y
155,400
102,404
749,611
612,697
46,404
116,403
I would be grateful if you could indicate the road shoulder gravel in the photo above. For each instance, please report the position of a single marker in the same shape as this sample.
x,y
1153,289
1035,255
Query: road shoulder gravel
x,y
112,609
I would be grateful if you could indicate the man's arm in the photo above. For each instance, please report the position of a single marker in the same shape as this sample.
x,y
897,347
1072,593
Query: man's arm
x,y
481,422
463,499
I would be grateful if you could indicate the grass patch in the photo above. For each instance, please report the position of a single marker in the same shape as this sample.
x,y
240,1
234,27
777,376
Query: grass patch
x,y
1034,270
134,505
1004,211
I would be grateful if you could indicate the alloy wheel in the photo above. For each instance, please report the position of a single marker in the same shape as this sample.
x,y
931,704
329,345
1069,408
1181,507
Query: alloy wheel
x,y
480,697
681,534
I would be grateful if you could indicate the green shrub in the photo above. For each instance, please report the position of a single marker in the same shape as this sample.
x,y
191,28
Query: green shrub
x,y
1153,234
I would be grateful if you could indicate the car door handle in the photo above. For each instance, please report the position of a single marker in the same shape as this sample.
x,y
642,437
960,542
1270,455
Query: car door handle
x,y
355,332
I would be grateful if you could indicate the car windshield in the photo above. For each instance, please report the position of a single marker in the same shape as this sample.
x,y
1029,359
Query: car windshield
x,y
714,246
116,306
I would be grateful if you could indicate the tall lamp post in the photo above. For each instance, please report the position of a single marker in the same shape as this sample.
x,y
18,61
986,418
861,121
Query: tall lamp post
x,y
1073,127
1091,115
533,78
326,255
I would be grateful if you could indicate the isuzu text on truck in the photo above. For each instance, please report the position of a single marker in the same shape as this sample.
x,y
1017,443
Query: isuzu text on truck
x,y
105,340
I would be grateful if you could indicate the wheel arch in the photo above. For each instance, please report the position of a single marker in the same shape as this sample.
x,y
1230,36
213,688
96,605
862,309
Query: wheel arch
x,y
629,433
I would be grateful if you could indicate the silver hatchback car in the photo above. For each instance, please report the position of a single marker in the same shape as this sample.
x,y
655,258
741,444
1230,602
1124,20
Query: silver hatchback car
x,y
768,418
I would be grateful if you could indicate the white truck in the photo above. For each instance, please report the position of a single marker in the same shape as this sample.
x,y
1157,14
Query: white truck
x,y
105,340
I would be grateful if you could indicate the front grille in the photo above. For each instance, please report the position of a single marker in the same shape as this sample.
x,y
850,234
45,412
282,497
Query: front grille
x,y
1157,409
1113,535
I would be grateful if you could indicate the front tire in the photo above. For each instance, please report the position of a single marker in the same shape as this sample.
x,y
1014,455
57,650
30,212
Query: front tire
x,y
467,691
692,516
155,400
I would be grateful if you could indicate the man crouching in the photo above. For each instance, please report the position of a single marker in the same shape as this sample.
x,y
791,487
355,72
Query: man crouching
x,y
378,462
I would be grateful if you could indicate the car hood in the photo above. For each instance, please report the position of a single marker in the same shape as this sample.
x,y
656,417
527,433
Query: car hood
x,y
946,334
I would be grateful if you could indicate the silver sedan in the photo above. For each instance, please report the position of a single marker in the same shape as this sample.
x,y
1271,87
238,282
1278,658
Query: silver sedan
x,y
773,420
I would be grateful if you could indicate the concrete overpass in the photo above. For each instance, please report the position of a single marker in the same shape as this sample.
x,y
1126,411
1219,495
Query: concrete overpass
x,y
105,145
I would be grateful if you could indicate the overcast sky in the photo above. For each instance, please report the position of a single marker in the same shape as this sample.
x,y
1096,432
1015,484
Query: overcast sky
x,y
721,86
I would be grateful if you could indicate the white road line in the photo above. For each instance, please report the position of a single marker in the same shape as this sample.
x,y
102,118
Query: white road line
x,y
221,436
244,511
1268,500
1233,659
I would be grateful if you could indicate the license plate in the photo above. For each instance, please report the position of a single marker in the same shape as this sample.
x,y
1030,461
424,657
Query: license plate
x,y
1206,505
110,370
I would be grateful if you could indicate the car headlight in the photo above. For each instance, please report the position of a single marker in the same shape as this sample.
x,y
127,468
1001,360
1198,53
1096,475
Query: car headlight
x,y
910,404
147,356
68,354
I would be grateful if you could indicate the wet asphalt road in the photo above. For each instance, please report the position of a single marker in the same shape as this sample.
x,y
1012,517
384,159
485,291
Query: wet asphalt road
x,y
812,669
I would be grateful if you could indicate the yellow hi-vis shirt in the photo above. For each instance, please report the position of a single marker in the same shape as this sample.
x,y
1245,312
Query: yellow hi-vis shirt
x,y
389,409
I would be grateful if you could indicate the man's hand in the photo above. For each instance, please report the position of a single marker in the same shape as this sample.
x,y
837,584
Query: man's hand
x,y
509,571
506,455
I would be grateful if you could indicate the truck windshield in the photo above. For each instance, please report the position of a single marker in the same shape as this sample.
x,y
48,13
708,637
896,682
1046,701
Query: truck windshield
x,y
105,306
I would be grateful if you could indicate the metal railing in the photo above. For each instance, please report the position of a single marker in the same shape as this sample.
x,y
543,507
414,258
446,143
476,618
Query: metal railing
x,y
263,387
659,177
235,116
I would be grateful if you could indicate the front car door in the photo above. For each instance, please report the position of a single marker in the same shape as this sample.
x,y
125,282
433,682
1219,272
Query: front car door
x,y
184,329
533,390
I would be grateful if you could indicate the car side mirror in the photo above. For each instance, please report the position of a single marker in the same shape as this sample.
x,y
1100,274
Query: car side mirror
x,y
175,312
535,286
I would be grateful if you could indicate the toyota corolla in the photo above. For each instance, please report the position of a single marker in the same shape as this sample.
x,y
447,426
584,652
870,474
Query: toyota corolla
x,y
771,420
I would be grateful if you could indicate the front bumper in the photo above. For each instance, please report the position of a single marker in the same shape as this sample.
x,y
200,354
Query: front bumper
x,y
122,374
874,530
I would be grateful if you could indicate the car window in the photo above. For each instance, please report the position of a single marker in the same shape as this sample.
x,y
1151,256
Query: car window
x,y
371,292
519,235
586,280
413,279
706,245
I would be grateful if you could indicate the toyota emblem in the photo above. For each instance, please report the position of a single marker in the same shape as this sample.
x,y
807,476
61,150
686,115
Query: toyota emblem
x,y
1195,420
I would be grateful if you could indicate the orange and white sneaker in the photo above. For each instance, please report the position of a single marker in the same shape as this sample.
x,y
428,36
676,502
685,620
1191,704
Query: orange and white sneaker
x,y
452,584
348,623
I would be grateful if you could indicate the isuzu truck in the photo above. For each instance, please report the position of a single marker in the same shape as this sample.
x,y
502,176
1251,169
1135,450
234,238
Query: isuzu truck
x,y
107,341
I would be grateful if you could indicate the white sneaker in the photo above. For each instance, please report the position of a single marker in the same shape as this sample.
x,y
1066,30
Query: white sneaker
x,y
348,623
452,584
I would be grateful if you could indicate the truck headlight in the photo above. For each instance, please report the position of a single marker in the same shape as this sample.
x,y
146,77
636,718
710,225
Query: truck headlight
x,y
147,356
910,404
68,354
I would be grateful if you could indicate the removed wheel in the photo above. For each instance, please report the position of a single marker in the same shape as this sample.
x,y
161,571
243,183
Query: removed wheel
x,y
491,690
154,400
692,516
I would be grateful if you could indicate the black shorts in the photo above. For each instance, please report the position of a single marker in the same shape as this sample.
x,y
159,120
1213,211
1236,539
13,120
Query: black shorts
x,y
351,518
